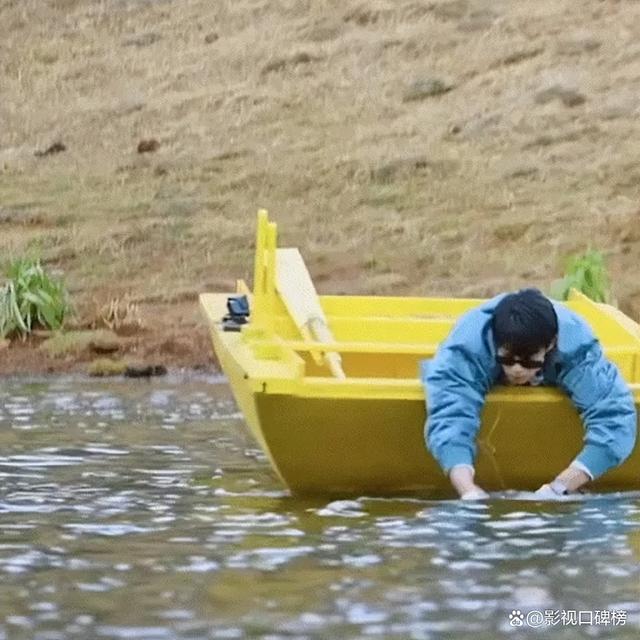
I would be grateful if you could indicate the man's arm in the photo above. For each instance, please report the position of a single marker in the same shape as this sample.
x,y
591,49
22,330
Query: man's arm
x,y
607,409
455,389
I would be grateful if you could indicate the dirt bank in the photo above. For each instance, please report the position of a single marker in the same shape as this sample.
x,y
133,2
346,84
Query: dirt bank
x,y
450,147
171,336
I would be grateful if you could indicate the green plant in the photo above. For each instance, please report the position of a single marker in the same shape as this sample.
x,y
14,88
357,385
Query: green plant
x,y
588,274
30,299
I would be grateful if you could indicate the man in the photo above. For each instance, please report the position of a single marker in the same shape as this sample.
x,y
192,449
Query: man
x,y
525,339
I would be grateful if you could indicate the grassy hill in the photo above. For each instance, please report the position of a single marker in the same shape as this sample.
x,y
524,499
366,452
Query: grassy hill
x,y
456,147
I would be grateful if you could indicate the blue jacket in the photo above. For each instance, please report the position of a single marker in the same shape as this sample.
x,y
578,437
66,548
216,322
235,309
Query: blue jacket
x,y
464,368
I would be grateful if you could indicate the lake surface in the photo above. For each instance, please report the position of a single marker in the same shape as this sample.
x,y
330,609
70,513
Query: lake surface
x,y
146,510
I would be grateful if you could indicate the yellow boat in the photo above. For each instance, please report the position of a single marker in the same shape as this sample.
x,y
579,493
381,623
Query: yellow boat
x,y
361,433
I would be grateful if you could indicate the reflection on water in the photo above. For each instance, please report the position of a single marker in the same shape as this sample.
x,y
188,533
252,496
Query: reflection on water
x,y
145,510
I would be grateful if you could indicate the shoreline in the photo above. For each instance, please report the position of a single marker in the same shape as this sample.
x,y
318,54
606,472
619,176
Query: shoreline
x,y
168,345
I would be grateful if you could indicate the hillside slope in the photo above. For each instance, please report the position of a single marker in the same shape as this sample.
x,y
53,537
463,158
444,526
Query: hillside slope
x,y
457,147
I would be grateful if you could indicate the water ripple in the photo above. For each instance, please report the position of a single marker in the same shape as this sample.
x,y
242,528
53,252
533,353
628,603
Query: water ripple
x,y
146,510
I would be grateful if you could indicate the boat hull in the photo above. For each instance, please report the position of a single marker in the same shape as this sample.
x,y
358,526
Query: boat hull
x,y
366,436
376,446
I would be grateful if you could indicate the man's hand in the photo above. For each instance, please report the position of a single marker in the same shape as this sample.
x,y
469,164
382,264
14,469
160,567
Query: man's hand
x,y
569,481
545,492
573,478
461,476
475,494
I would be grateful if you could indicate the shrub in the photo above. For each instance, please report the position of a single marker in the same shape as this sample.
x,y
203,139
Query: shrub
x,y
588,274
31,299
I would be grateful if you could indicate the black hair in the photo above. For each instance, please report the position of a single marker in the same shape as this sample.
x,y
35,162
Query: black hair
x,y
524,322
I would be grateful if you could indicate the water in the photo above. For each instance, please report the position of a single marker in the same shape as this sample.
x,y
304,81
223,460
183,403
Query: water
x,y
145,510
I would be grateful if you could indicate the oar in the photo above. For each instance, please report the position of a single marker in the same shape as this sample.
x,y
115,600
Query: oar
x,y
296,289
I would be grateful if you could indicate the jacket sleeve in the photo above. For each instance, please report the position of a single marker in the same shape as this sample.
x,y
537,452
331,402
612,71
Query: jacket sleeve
x,y
455,389
606,406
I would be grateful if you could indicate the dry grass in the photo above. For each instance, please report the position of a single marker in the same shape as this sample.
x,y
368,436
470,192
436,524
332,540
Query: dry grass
x,y
298,106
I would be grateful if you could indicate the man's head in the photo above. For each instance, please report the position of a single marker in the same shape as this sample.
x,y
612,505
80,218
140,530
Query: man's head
x,y
525,329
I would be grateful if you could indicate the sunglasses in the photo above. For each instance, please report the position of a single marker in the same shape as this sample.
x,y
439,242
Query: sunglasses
x,y
527,363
